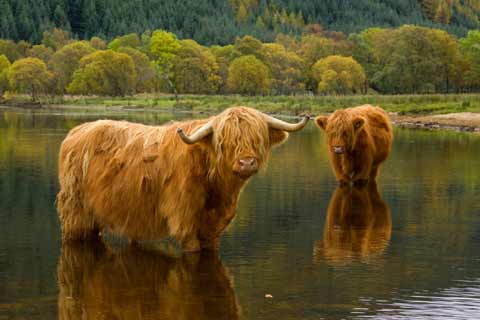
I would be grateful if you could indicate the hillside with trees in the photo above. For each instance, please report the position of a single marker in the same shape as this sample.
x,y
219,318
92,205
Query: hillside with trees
x,y
221,21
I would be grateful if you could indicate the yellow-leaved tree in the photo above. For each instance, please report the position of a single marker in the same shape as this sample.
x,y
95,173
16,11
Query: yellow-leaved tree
x,y
66,60
248,75
105,73
30,76
338,75
287,69
145,69
196,69
4,68
164,47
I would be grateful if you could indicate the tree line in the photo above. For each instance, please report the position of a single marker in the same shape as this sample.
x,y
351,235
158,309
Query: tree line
x,y
409,59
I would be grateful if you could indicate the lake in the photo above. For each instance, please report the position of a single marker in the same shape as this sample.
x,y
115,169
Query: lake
x,y
299,248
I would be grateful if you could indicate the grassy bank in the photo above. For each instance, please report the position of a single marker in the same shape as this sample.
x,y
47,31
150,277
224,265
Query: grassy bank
x,y
289,105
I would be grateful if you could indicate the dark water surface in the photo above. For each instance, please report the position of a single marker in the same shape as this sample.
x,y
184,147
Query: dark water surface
x,y
409,251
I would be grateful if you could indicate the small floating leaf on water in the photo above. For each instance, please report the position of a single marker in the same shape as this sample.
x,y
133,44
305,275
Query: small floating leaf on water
x,y
268,295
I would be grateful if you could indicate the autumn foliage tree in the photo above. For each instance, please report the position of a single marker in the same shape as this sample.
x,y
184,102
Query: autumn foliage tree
x,y
55,38
66,60
4,68
471,49
30,76
196,69
339,75
41,52
146,80
248,75
104,73
164,47
287,69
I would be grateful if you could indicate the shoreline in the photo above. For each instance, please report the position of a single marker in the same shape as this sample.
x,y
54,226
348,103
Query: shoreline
x,y
461,122
458,121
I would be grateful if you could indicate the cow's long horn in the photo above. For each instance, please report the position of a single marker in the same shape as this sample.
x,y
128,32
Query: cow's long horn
x,y
285,126
198,135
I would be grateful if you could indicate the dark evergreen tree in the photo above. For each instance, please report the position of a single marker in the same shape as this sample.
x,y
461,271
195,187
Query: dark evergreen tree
x,y
217,21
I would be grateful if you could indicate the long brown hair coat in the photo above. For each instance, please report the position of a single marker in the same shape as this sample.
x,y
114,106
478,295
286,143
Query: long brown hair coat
x,y
144,182
366,135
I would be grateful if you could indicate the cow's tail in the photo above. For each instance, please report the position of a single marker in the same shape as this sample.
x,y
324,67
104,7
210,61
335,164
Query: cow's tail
x,y
77,221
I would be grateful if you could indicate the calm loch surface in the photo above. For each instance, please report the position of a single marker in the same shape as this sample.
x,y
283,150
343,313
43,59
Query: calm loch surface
x,y
408,248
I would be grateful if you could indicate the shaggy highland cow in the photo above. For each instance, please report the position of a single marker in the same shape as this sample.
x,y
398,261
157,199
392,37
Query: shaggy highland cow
x,y
148,182
359,140
96,282
358,225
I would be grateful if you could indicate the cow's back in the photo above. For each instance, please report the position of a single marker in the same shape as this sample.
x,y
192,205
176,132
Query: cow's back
x,y
134,178
380,129
108,165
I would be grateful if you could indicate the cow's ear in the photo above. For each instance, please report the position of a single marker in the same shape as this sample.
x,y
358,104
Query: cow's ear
x,y
277,137
358,123
321,122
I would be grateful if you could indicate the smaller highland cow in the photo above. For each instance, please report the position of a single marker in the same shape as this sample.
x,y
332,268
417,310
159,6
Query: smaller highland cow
x,y
359,140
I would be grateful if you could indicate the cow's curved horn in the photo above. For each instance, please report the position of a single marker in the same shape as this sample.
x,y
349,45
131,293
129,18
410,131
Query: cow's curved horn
x,y
198,135
285,126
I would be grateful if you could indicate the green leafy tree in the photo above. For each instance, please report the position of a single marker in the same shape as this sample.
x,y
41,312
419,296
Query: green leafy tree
x,y
105,73
287,69
449,61
10,49
41,52
470,47
66,60
130,40
98,43
249,45
196,69
248,75
144,68
164,47
224,56
55,38
29,75
338,75
4,69
409,64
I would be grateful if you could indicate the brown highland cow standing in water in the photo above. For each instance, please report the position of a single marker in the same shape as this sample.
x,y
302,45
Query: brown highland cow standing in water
x,y
359,140
146,182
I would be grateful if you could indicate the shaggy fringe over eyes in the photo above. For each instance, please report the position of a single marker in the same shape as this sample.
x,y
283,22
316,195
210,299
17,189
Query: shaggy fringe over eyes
x,y
240,132
340,127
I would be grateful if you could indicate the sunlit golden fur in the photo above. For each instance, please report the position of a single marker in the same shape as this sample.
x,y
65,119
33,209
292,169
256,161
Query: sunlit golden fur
x,y
358,225
96,282
143,182
366,135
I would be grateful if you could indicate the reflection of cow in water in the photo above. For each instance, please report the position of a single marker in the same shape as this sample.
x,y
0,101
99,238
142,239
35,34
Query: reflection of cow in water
x,y
358,225
97,283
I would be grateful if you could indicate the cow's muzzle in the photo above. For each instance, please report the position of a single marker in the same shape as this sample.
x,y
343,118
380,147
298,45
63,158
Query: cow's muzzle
x,y
246,167
338,150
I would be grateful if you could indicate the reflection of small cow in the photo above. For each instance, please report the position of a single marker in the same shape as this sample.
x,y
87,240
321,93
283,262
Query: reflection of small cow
x,y
147,182
96,282
358,225
359,140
